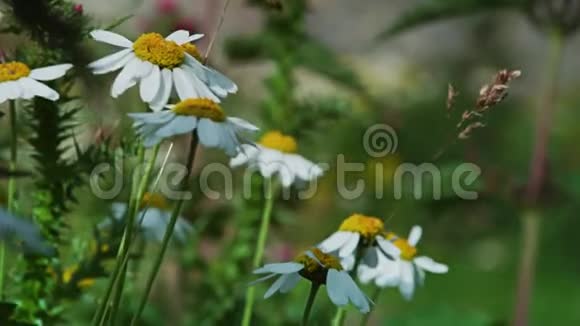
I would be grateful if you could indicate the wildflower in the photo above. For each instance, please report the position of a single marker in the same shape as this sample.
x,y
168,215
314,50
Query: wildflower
x,y
155,213
359,231
213,127
18,81
405,272
158,64
320,269
276,153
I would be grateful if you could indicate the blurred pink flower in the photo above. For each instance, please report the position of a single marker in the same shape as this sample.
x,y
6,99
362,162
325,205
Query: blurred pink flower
x,y
78,8
166,6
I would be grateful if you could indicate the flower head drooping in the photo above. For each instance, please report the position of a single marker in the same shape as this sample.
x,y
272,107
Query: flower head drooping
x,y
155,213
359,231
18,81
318,268
158,64
213,127
405,272
276,154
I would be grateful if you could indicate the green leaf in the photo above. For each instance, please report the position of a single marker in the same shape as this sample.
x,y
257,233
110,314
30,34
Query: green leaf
x,y
435,10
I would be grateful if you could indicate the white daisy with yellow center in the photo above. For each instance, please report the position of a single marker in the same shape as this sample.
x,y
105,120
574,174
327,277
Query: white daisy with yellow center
x,y
318,268
213,127
18,81
158,64
152,219
407,271
276,154
359,232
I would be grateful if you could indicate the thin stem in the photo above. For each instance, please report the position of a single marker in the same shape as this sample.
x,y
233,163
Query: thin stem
x,y
217,30
339,317
309,303
11,184
133,211
374,299
260,245
169,231
536,180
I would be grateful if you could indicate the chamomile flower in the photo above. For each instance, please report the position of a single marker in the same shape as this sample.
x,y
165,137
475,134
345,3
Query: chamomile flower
x,y
359,231
155,214
18,81
213,127
318,268
407,271
158,64
276,154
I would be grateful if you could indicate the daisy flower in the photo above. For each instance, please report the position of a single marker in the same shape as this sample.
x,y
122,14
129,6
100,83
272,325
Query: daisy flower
x,y
359,231
18,81
155,213
276,154
158,64
405,272
213,127
318,268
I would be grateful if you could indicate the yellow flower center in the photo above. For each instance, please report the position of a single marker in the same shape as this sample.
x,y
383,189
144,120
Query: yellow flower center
x,y
313,271
408,252
156,49
201,108
193,51
13,71
367,226
279,141
154,200
86,283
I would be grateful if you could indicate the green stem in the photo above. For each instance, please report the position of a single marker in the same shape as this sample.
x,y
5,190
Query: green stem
x,y
536,181
133,211
169,231
11,184
260,246
309,303
374,299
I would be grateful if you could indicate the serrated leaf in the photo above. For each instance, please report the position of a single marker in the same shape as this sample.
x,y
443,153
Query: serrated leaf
x,y
435,10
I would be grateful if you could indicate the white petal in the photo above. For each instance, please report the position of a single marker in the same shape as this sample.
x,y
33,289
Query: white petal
x,y
262,279
149,86
407,285
275,286
286,175
415,235
348,262
220,84
112,62
280,268
242,124
111,38
228,139
184,89
179,36
50,73
194,37
144,68
335,241
164,92
388,247
118,210
246,153
12,90
335,288
126,78
389,274
179,125
290,282
356,296
39,89
367,274
350,247
430,265
209,133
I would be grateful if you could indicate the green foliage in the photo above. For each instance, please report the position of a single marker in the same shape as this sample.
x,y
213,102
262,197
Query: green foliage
x,y
434,10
